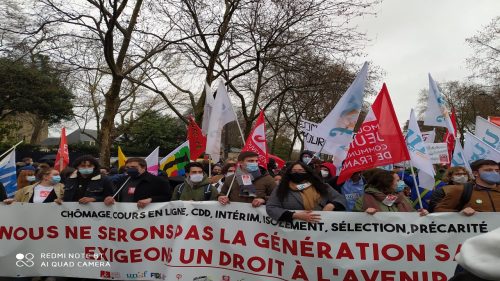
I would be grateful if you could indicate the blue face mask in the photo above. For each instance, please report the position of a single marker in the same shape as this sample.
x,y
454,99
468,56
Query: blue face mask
x,y
31,178
490,177
306,160
252,167
56,179
86,171
401,186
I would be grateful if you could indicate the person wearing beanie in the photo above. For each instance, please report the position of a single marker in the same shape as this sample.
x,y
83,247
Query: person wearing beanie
x,y
480,257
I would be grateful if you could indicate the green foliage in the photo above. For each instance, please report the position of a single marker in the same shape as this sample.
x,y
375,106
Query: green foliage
x,y
35,88
151,129
282,147
82,148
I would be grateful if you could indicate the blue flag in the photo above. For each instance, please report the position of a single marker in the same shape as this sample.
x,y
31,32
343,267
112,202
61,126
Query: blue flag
x,y
8,173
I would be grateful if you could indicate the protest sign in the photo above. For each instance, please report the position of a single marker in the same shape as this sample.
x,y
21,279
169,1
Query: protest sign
x,y
438,152
190,240
311,141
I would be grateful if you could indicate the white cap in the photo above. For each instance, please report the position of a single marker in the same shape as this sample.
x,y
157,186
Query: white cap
x,y
480,255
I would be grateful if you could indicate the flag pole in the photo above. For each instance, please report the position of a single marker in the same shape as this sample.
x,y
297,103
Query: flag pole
x,y
209,166
416,186
241,132
10,149
232,181
128,178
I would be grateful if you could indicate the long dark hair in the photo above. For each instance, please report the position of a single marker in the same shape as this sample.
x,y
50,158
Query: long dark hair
x,y
382,180
283,187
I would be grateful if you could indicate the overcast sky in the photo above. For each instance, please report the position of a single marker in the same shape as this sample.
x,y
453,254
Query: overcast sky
x,y
410,38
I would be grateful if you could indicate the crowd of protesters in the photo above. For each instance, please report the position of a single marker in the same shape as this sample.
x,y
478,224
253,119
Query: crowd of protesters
x,y
292,192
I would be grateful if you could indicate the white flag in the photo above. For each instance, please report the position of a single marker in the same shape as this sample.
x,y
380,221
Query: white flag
x,y
417,148
436,113
207,109
488,132
475,149
222,113
337,128
430,136
152,161
458,159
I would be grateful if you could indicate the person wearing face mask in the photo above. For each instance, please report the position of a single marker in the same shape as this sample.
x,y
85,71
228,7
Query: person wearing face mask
x,y
228,170
381,196
25,178
139,186
86,184
250,184
217,177
300,193
306,156
46,189
452,176
482,195
407,179
328,172
352,189
196,186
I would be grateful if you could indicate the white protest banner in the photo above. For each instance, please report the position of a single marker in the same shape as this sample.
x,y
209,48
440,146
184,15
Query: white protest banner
x,y
488,132
311,142
475,149
438,152
207,241
429,137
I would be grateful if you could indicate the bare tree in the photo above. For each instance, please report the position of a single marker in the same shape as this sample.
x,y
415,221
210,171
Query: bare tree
x,y
467,99
486,59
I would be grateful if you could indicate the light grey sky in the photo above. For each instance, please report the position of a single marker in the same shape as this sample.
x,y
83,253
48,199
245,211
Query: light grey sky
x,y
411,38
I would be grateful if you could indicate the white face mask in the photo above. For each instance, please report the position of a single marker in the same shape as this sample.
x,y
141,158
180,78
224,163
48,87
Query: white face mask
x,y
324,173
229,174
459,179
196,178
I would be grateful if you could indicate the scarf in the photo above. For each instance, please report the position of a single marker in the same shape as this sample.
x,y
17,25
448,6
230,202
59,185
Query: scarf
x,y
377,197
310,196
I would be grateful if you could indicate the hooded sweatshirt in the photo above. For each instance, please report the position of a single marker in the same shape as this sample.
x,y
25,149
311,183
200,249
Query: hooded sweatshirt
x,y
188,191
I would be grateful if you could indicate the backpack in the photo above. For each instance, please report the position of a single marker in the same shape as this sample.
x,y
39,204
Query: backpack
x,y
466,195
207,193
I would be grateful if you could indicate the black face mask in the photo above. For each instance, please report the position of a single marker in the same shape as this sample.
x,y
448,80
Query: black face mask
x,y
299,177
133,172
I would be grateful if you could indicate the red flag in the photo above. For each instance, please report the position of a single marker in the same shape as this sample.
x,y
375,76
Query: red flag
x,y
494,119
256,141
449,138
379,140
280,163
197,141
62,158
